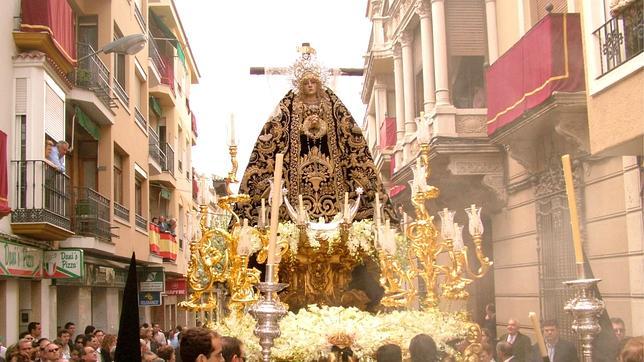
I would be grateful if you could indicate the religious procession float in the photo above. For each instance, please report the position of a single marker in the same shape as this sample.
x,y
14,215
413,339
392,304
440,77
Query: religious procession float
x,y
331,273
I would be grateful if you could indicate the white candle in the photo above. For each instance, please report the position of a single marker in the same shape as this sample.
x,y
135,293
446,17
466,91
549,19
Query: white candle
x,y
232,137
458,237
262,214
276,195
346,207
574,218
377,211
300,208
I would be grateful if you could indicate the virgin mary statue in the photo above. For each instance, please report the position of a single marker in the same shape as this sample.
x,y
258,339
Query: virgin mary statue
x,y
325,154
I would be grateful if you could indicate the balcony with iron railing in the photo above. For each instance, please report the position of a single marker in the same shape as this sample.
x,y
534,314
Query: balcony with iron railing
x,y
546,64
91,214
140,119
139,18
163,242
140,221
48,26
621,38
155,56
169,164
156,154
121,93
121,211
93,74
41,201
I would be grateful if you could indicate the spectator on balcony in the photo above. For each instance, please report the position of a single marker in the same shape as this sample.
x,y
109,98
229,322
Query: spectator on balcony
x,y
57,155
164,227
172,226
49,145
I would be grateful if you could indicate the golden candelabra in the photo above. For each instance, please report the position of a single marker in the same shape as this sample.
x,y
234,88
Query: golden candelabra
x,y
425,248
215,258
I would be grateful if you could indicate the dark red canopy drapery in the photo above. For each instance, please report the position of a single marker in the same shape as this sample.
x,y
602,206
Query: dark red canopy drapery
x,y
547,59
4,174
55,17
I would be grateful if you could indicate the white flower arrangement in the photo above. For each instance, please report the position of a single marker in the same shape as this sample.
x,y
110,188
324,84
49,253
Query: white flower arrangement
x,y
360,238
307,335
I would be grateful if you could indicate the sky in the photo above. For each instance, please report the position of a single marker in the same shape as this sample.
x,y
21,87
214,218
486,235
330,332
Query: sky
x,y
228,37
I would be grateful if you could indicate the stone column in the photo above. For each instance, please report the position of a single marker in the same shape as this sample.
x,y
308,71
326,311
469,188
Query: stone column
x,y
41,307
492,41
377,28
380,101
408,80
400,105
423,9
9,300
440,52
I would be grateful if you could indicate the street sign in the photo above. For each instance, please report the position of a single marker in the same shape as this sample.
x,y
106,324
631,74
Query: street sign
x,y
63,264
20,260
149,299
151,280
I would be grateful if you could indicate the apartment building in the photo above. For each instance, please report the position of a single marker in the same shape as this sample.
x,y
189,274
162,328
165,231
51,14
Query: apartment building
x,y
553,84
70,234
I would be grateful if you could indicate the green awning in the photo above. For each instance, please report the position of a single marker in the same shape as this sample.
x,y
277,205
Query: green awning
x,y
170,35
90,126
155,106
181,54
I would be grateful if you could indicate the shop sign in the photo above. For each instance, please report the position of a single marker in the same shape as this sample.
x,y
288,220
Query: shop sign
x,y
20,260
151,280
175,287
149,299
63,264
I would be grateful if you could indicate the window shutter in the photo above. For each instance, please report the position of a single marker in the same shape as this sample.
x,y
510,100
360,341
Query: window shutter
x,y
54,114
558,6
465,21
21,96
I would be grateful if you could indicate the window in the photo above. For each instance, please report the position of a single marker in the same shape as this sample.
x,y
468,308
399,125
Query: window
x,y
118,178
180,150
186,159
119,64
138,196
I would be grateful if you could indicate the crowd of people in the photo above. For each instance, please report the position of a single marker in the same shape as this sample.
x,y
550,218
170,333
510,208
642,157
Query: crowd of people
x,y
182,344
94,345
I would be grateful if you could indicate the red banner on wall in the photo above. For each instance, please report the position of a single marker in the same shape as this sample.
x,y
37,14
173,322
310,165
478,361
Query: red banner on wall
x,y
547,59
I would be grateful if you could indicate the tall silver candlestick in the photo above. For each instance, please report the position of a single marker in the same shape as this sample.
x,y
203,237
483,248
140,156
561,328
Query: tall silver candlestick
x,y
267,312
585,308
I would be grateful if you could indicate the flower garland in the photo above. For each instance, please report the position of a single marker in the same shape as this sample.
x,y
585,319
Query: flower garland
x,y
360,238
308,334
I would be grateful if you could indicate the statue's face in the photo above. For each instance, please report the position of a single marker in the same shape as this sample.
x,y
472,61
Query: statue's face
x,y
310,86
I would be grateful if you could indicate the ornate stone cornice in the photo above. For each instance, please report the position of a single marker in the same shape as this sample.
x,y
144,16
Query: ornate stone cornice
x,y
406,39
397,50
423,9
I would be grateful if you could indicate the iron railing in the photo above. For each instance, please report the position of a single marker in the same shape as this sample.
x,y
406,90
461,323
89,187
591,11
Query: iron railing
x,y
42,194
91,214
169,159
155,149
93,74
139,17
121,211
140,118
120,92
140,222
621,38
154,54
